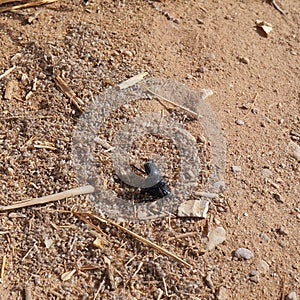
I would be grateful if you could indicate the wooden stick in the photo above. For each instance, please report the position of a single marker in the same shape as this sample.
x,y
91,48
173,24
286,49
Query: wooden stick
x,y
82,215
26,5
88,189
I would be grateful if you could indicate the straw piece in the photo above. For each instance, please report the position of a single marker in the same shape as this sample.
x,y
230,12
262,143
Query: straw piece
x,y
171,102
25,5
132,81
82,215
7,72
88,189
67,91
2,268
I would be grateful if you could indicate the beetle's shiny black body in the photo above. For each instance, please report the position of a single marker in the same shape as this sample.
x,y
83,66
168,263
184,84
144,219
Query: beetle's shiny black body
x,y
160,188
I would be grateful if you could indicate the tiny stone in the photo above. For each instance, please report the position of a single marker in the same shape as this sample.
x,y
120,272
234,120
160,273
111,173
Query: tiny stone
x,y
243,253
262,267
221,294
239,122
202,69
294,150
254,276
278,198
264,237
283,231
128,53
255,110
209,282
291,296
219,186
236,169
245,60
266,172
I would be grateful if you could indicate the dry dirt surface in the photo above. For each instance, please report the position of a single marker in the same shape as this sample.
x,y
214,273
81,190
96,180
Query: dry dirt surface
x,y
46,252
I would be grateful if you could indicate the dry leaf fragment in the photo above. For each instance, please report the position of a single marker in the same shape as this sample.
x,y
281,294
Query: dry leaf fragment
x,y
68,275
266,27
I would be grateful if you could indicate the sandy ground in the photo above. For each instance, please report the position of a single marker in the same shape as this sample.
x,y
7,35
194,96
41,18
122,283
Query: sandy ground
x,y
201,44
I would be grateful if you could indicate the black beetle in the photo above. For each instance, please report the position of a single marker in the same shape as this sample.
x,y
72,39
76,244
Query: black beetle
x,y
159,189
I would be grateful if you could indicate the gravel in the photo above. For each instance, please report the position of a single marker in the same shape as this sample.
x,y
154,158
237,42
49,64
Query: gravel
x,y
291,296
243,253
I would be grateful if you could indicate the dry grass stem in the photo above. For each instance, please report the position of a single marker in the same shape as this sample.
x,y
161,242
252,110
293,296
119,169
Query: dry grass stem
x,y
25,5
7,72
171,102
88,189
67,91
132,81
82,216
3,268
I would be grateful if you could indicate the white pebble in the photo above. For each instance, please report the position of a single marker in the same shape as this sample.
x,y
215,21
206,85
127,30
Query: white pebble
x,y
291,296
243,253
239,122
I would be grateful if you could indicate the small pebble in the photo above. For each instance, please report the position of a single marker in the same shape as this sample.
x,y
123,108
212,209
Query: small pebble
x,y
262,267
264,237
294,150
266,172
243,253
236,169
222,294
278,197
291,296
255,110
283,231
245,60
254,276
239,122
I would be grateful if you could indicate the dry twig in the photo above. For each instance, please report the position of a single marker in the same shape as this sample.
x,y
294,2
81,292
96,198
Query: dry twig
x,y
276,6
171,102
83,215
24,5
67,91
88,189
